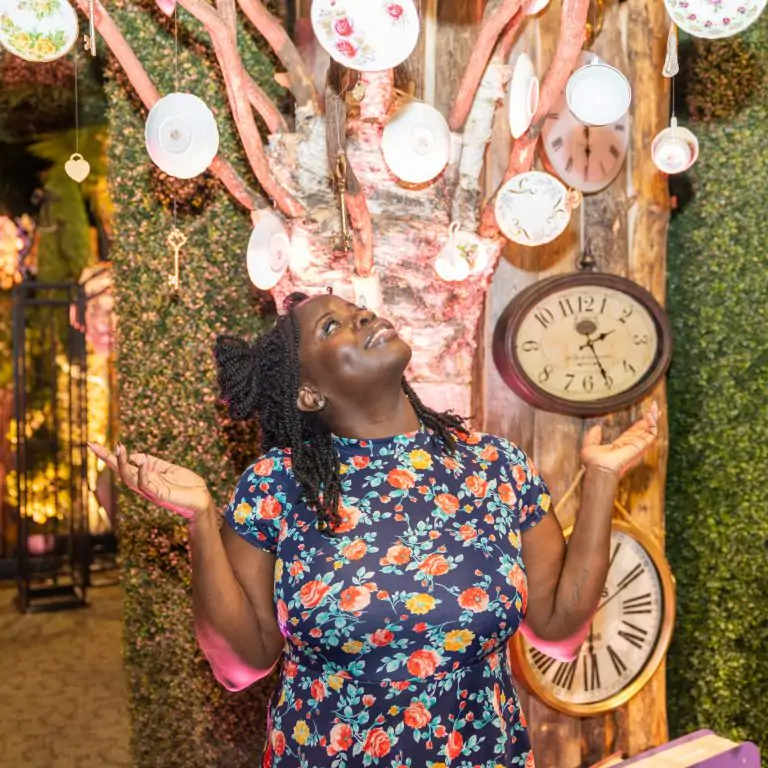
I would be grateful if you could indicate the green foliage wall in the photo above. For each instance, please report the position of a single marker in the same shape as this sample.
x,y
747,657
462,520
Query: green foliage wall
x,y
180,715
717,504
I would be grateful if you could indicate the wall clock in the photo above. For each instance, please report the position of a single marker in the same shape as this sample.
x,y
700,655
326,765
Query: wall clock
x,y
583,344
628,638
586,158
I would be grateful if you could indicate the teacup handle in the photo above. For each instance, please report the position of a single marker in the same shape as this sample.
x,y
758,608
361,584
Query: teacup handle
x,y
673,126
452,230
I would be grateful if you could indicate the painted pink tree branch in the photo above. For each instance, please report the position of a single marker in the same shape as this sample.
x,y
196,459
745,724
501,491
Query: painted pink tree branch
x,y
235,80
572,35
496,20
301,84
149,95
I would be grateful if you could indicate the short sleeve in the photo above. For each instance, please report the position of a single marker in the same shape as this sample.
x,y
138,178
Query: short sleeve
x,y
531,492
261,500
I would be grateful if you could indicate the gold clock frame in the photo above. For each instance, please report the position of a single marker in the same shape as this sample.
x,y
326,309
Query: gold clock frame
x,y
522,670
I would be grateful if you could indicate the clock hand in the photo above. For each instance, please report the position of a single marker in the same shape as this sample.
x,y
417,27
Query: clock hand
x,y
602,335
587,152
591,344
608,599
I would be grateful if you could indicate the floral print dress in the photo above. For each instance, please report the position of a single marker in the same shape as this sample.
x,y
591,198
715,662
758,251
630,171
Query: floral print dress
x,y
395,628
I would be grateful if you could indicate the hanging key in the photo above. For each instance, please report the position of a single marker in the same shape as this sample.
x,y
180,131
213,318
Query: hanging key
x,y
176,239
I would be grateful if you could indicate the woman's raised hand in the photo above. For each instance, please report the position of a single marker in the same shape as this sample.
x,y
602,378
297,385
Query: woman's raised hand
x,y
175,488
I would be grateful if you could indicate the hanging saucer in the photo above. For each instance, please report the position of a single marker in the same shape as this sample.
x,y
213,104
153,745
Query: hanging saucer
x,y
533,208
523,96
37,30
416,143
366,35
269,251
598,94
181,135
713,19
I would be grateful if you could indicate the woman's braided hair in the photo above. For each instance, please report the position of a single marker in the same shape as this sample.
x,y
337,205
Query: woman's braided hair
x,y
261,379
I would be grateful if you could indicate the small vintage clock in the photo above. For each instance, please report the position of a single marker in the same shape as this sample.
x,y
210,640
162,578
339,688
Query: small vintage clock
x,y
583,344
628,637
587,158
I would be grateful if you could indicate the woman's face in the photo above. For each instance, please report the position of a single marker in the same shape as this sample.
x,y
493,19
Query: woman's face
x,y
347,354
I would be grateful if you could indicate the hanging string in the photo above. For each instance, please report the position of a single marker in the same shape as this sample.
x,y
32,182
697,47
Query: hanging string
x,y
175,86
77,108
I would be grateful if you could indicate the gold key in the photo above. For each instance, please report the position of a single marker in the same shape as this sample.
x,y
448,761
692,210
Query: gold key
x,y
344,244
176,239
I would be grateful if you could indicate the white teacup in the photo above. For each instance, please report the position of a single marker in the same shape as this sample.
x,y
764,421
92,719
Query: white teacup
x,y
674,149
456,258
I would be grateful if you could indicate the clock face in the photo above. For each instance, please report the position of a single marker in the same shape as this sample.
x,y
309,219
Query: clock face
x,y
586,343
587,158
628,636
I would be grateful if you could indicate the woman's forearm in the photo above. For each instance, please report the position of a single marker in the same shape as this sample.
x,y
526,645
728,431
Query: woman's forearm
x,y
587,557
239,650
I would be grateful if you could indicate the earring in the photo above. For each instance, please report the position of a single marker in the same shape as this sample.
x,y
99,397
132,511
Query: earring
x,y
321,403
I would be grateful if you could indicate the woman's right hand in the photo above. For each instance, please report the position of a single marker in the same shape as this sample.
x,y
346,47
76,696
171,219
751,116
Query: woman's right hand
x,y
175,488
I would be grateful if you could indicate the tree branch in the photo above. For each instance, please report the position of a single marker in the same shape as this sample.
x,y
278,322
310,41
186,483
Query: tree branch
x,y
572,34
146,91
270,28
497,16
236,82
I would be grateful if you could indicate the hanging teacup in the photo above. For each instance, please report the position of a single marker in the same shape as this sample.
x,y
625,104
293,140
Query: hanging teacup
x,y
598,94
675,149
269,251
456,258
523,96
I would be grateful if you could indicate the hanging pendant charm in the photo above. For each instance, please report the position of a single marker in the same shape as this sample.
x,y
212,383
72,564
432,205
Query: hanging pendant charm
x,y
671,63
344,244
89,40
176,239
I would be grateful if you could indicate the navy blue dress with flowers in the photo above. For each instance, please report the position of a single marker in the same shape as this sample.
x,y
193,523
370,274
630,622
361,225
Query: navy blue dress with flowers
x,y
395,629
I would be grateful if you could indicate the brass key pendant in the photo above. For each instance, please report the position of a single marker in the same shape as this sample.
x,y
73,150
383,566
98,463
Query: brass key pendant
x,y
176,239
345,242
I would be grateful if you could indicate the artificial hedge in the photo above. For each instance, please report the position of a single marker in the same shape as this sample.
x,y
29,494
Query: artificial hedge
x,y
717,508
180,715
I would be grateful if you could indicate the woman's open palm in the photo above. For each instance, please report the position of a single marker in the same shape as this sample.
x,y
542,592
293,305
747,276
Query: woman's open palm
x,y
167,485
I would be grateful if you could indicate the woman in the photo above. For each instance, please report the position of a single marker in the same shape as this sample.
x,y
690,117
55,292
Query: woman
x,y
383,549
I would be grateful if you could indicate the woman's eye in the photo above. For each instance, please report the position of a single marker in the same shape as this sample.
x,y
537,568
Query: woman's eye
x,y
330,327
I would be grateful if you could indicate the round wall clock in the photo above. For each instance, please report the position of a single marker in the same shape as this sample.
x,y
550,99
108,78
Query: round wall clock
x,y
583,344
628,637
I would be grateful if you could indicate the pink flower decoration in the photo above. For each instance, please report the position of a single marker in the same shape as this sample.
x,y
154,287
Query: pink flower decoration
x,y
395,10
343,26
345,48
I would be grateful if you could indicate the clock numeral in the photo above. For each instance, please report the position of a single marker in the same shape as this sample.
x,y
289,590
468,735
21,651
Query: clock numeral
x,y
603,168
545,373
637,339
619,127
608,381
626,314
618,664
565,307
628,367
553,116
569,165
588,383
530,346
636,636
604,304
615,152
613,556
541,661
565,674
633,575
556,143
570,377
544,316
637,605
586,303
591,673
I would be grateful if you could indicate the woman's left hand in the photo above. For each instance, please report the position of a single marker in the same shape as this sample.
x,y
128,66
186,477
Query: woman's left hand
x,y
626,450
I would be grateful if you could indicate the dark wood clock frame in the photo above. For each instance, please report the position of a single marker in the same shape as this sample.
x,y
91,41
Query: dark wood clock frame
x,y
511,370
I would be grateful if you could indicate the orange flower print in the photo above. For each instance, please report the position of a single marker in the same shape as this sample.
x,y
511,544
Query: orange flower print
x,y
282,613
377,744
401,478
529,762
435,565
382,637
341,738
447,502
278,742
269,508
397,555
518,473
506,494
454,744
361,462
349,517
264,468
296,568
312,593
474,599
468,532
477,486
516,577
489,453
416,715
354,599
450,464
355,550
317,689
423,663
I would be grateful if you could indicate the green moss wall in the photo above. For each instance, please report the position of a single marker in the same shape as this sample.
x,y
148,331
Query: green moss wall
x,y
717,503
180,716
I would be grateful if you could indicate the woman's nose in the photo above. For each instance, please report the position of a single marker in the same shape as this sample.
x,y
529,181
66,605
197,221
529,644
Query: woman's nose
x,y
363,317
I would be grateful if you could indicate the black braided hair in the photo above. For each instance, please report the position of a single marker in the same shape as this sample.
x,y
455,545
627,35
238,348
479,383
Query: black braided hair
x,y
261,379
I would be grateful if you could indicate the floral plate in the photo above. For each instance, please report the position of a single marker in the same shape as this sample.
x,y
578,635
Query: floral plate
x,y
712,19
532,208
366,35
38,30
